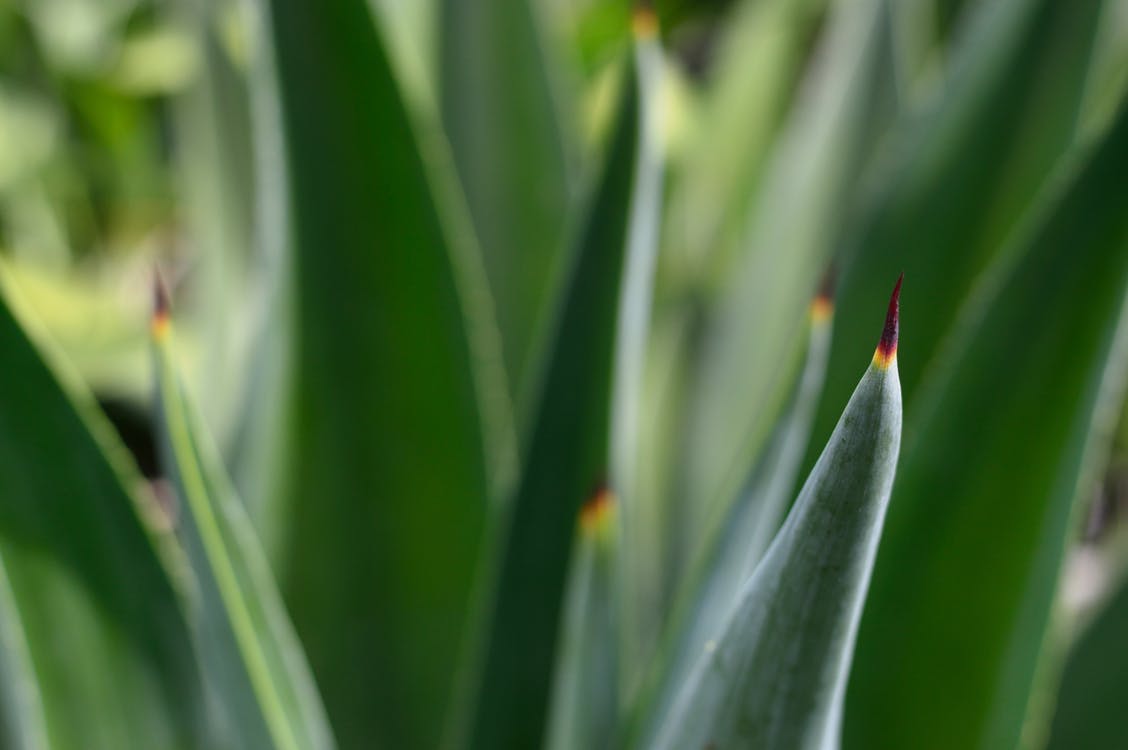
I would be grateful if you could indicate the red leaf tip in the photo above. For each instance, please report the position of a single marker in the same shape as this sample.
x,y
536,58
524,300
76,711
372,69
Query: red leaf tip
x,y
887,348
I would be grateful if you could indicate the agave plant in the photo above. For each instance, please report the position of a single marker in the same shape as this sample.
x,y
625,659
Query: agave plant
x,y
505,401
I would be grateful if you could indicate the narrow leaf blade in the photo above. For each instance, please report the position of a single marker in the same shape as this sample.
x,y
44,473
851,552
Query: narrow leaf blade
x,y
255,664
566,457
88,576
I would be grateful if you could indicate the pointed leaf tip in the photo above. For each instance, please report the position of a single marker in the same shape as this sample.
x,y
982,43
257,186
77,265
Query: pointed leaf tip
x,y
644,21
887,347
597,512
161,306
822,307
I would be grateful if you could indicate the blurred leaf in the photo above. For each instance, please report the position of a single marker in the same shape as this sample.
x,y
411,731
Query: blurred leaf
x,y
254,660
963,170
500,110
740,536
775,676
22,720
410,33
566,458
632,340
760,55
108,643
157,61
29,134
1094,686
585,694
792,223
399,418
94,319
999,449
231,280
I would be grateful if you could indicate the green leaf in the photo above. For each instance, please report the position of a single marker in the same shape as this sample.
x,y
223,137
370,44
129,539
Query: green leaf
x,y
87,581
738,538
775,676
995,457
760,56
22,720
801,201
400,408
964,169
632,341
585,694
254,662
501,111
566,457
1094,685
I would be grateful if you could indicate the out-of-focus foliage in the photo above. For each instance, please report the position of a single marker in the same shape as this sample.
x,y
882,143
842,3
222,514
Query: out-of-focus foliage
x,y
492,414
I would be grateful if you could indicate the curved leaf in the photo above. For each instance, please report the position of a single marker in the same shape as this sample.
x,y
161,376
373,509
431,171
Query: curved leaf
x,y
585,695
255,664
964,168
566,457
1001,448
89,580
1094,686
400,412
500,110
775,677
740,536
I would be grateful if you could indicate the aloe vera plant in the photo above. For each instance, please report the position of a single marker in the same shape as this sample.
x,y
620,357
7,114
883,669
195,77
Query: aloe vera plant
x,y
500,396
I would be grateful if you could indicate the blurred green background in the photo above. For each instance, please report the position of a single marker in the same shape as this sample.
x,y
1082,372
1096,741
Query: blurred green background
x,y
373,407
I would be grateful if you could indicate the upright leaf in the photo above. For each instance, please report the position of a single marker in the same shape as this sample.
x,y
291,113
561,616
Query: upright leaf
x,y
501,110
760,54
738,538
565,458
107,643
775,677
1001,448
394,390
255,664
964,168
632,339
801,200
22,719
585,695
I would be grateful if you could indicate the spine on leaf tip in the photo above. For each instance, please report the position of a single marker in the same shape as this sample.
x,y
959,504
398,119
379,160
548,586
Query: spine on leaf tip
x,y
644,21
822,307
886,352
162,308
597,516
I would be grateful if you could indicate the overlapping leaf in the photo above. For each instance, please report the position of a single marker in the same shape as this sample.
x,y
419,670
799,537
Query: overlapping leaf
x,y
398,396
775,675
501,109
103,634
982,508
254,663
566,457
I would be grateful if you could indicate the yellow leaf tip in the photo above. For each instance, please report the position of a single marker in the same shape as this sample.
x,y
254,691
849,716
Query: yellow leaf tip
x,y
597,516
644,21
161,319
